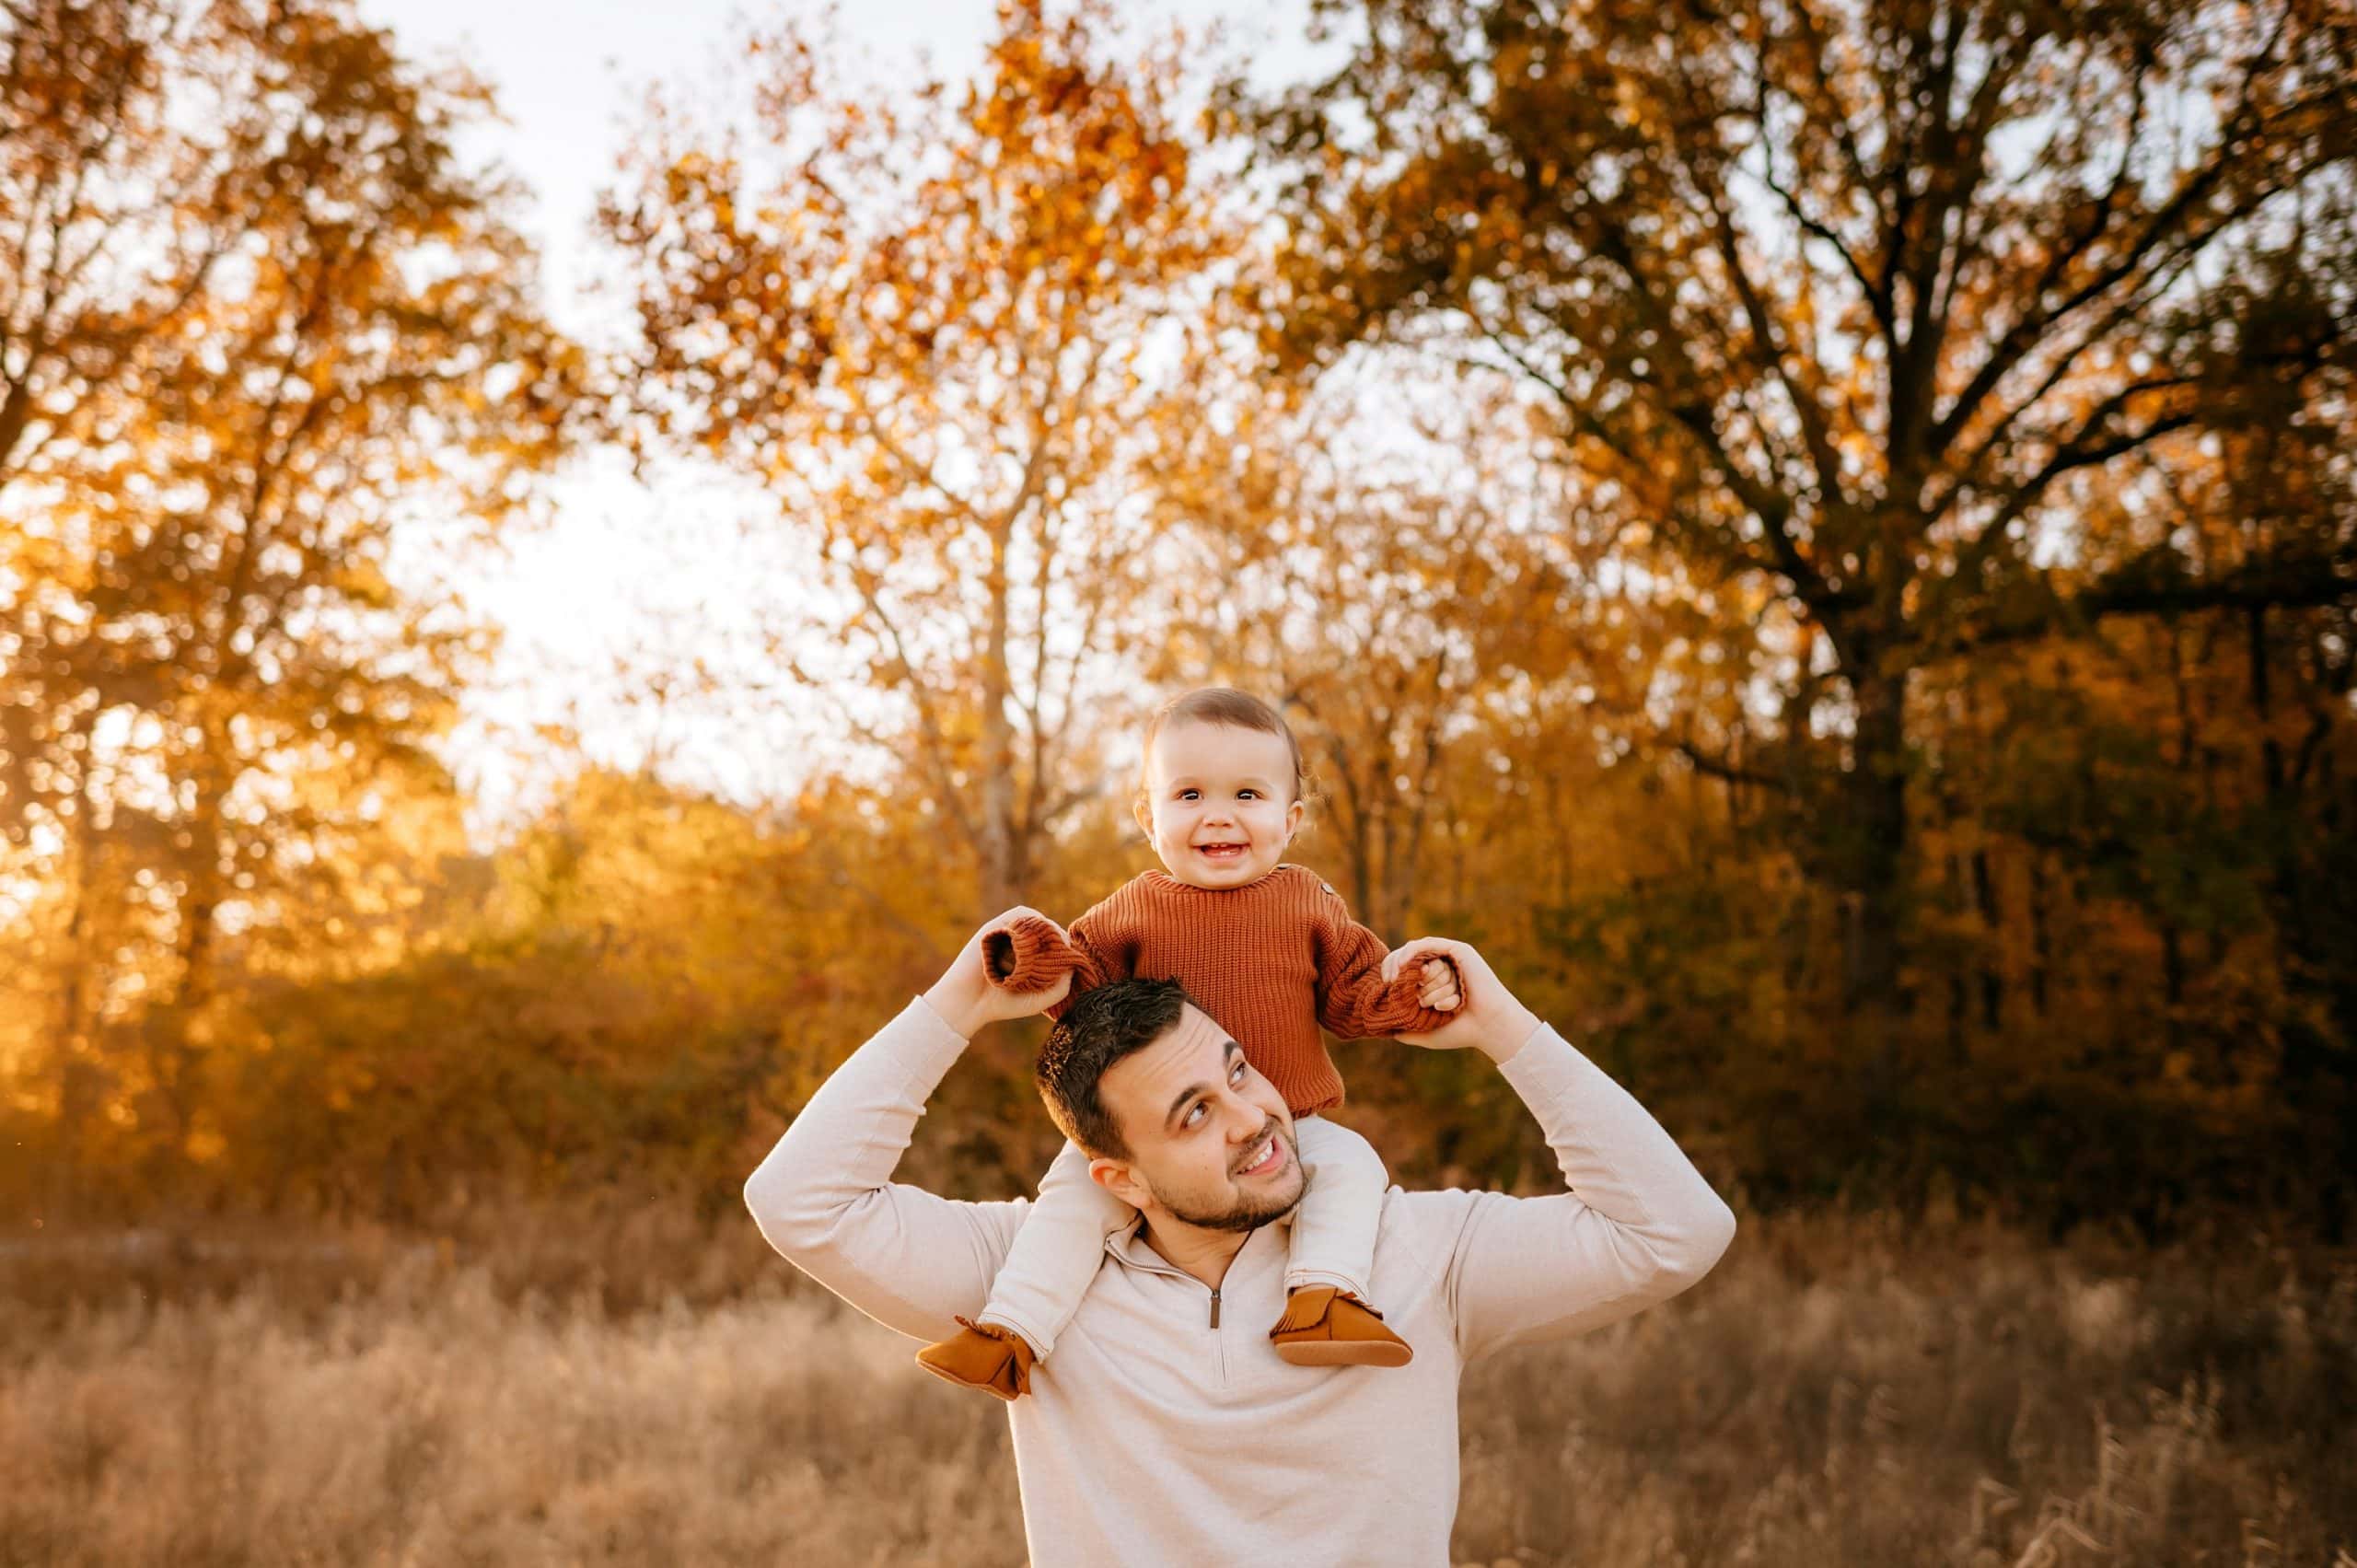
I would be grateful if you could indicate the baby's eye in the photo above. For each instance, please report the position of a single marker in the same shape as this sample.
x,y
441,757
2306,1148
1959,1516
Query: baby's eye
x,y
1249,793
1186,794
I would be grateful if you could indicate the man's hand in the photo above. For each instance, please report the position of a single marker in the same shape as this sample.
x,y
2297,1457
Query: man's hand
x,y
1487,1018
967,1000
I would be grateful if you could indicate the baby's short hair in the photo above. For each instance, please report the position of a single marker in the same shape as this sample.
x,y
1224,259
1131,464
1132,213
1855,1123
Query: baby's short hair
x,y
1238,710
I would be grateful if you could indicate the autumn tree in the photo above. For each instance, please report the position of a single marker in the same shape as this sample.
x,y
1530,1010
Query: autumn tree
x,y
97,273
925,320
1400,561
1862,305
215,680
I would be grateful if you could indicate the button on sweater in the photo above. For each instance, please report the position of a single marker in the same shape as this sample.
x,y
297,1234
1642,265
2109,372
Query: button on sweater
x,y
1270,961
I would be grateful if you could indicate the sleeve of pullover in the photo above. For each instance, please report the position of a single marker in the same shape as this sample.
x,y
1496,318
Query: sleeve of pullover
x,y
1639,1225
1027,956
1354,999
825,1199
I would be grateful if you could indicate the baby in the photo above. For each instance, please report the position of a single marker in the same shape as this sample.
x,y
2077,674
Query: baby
x,y
1270,952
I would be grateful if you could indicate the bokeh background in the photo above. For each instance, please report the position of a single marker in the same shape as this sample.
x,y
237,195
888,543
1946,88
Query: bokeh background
x,y
555,561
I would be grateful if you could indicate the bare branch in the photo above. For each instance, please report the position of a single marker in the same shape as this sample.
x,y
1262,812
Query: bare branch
x,y
2158,584
1729,773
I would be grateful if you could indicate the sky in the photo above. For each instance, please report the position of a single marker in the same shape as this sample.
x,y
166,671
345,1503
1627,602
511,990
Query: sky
x,y
632,577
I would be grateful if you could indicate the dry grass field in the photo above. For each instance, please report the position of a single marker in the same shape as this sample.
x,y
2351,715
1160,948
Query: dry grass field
x,y
622,1388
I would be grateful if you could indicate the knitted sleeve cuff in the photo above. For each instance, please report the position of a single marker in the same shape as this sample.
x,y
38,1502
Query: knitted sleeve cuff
x,y
1398,1008
1027,956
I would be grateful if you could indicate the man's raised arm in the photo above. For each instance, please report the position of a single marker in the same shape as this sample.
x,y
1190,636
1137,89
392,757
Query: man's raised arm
x,y
1640,1223
825,1199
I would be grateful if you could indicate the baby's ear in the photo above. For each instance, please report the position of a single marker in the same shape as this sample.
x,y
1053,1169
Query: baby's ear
x,y
1143,813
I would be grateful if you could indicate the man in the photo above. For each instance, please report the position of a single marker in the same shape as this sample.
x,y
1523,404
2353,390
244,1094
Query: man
x,y
1166,1429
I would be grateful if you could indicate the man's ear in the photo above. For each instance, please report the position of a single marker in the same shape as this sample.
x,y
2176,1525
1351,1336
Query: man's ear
x,y
1121,1179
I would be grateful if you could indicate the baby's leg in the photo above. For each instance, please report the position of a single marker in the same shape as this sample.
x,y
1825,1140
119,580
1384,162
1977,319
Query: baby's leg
x,y
1333,1233
1055,1253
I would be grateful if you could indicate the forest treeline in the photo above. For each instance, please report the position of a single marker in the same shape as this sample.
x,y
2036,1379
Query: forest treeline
x,y
1820,536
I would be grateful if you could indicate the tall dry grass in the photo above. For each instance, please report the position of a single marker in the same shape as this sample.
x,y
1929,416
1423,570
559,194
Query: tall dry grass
x,y
1840,1391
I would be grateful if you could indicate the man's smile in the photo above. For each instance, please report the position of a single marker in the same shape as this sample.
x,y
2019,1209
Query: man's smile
x,y
1265,1158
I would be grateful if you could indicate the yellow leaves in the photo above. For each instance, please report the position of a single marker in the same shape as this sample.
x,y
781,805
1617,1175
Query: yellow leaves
x,y
935,262
363,582
230,459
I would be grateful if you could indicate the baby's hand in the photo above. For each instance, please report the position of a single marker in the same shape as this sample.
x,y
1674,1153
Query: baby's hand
x,y
1487,1018
1440,992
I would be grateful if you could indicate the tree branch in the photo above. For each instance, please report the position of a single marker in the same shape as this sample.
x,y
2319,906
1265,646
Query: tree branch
x,y
1729,773
2157,584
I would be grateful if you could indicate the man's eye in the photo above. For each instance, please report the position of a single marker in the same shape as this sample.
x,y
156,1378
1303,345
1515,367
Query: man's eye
x,y
1194,1114
1237,1072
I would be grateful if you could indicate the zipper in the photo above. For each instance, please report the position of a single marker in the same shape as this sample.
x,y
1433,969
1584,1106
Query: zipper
x,y
1219,1341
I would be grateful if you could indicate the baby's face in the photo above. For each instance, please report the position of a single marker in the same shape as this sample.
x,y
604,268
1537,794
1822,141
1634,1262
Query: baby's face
x,y
1219,804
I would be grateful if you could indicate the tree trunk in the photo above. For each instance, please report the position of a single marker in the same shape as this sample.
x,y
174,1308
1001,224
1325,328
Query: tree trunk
x,y
2041,936
1873,845
1361,852
80,1084
2305,917
1004,880
176,1048
1992,974
1358,848
1869,857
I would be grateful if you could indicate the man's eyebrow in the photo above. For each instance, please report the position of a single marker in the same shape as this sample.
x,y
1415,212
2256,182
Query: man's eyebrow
x,y
1179,1105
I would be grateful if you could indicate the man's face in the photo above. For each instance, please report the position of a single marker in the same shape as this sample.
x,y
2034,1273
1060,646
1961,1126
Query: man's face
x,y
1211,1143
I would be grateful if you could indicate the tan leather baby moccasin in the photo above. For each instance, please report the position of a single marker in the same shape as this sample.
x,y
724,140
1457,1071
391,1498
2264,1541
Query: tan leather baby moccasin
x,y
1326,1327
982,1355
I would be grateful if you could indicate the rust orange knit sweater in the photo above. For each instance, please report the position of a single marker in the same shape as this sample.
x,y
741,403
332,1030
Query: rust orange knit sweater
x,y
1270,961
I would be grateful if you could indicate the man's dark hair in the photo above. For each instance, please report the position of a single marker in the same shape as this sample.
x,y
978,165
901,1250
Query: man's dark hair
x,y
1103,1025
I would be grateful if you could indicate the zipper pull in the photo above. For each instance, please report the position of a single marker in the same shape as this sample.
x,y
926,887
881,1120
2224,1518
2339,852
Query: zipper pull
x,y
1214,1306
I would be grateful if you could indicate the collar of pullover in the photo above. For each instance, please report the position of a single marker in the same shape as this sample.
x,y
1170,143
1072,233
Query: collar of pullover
x,y
1267,1247
1163,881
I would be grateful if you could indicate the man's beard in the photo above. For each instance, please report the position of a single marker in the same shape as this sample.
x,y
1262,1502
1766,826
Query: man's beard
x,y
1244,1214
